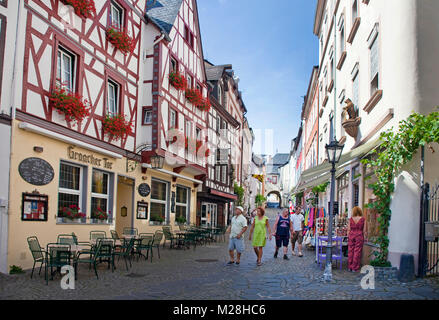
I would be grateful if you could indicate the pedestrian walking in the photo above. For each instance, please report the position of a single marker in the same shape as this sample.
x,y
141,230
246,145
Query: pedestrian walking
x,y
259,228
356,231
298,225
237,229
282,228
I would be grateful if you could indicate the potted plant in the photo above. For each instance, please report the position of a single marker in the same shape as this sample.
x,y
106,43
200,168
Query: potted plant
x,y
259,200
83,8
71,105
120,39
117,126
204,104
177,80
100,215
72,212
157,220
15,270
180,220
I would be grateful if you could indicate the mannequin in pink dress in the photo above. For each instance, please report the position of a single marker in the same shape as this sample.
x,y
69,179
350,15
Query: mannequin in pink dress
x,y
356,231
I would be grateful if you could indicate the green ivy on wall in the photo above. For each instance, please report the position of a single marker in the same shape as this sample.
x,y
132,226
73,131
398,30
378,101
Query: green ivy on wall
x,y
397,149
239,191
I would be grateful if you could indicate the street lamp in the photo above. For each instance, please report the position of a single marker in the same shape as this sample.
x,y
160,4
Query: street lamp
x,y
333,151
157,161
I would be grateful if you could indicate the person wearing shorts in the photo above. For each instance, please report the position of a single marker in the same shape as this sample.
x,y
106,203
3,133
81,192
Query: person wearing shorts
x,y
297,220
282,228
237,229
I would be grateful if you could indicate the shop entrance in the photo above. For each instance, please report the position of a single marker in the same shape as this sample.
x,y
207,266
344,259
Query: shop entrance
x,y
124,204
209,214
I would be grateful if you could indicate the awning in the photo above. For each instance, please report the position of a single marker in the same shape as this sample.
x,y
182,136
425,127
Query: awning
x,y
322,173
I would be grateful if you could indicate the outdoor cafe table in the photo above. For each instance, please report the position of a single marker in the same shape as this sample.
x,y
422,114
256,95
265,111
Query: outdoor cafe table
x,y
181,238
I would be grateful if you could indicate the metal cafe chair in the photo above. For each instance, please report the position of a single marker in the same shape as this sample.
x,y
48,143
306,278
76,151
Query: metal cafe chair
x,y
57,256
130,231
38,254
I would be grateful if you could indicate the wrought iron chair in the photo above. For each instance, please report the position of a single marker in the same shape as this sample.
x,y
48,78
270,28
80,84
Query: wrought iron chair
x,y
158,236
38,254
95,235
144,243
125,251
57,256
130,231
92,258
169,235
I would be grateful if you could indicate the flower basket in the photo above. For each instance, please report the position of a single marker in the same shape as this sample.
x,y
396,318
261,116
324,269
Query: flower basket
x,y
100,215
204,104
83,8
120,39
117,126
72,213
194,96
177,80
70,104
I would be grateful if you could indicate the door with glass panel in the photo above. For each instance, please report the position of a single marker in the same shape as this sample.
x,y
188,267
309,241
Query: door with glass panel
x,y
209,214
182,205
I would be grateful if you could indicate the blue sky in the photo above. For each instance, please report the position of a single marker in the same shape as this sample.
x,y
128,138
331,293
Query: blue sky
x,y
272,48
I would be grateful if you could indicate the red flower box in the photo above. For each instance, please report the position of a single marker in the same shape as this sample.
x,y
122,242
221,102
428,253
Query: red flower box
x,y
194,96
70,104
83,8
207,153
100,214
177,80
204,104
72,212
120,39
117,126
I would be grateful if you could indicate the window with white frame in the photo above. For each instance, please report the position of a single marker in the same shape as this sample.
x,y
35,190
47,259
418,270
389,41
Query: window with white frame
x,y
217,172
188,128
182,203
113,98
198,134
374,62
100,193
66,69
159,200
189,81
173,65
70,188
224,174
172,119
342,36
147,119
116,15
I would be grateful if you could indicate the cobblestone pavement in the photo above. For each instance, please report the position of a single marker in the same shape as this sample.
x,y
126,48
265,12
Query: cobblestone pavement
x,y
178,275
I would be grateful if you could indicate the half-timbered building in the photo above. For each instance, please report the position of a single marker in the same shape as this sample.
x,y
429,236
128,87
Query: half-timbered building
x,y
215,201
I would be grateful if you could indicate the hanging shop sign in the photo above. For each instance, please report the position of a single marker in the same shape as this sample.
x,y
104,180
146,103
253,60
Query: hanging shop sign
x,y
34,207
89,159
144,189
36,171
142,210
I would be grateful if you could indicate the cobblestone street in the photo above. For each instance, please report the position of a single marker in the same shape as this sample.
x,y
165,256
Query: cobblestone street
x,y
203,274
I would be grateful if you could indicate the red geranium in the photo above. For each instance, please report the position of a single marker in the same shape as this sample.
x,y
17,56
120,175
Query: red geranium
x,y
100,214
72,212
83,8
120,39
204,104
177,80
117,126
194,96
70,104
207,153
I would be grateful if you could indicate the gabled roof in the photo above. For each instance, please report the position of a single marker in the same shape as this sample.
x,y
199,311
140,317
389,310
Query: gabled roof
x,y
281,158
163,13
214,73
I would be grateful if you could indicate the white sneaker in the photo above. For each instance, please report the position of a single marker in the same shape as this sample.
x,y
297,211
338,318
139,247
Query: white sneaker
x,y
293,253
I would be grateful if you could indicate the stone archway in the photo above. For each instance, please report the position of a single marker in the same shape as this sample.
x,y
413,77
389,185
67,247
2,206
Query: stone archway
x,y
274,199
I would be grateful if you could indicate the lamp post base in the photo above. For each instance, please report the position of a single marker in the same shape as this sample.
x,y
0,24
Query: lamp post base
x,y
327,275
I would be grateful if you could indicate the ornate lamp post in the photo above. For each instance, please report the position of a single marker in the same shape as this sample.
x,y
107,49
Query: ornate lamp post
x,y
333,152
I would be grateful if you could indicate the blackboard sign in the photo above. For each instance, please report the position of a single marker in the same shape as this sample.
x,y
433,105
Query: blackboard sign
x,y
36,171
144,189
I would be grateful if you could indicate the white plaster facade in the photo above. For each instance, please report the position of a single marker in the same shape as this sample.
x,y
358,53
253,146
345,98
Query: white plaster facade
x,y
404,57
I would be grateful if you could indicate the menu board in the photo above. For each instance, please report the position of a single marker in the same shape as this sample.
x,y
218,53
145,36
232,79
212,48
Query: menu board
x,y
34,207
144,189
36,171
142,210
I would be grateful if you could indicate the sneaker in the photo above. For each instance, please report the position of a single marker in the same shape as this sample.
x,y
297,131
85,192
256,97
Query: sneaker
x,y
300,254
275,254
230,263
285,257
293,253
